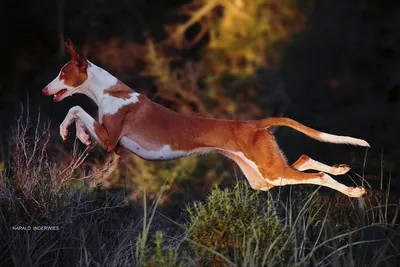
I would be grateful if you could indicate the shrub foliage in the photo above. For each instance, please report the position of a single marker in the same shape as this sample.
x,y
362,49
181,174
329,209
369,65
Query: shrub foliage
x,y
239,224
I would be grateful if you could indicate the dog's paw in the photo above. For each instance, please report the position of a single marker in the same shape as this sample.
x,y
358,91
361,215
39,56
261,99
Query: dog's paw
x,y
84,137
357,191
64,132
339,169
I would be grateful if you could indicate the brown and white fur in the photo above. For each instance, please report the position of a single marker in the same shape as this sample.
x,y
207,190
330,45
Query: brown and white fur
x,y
153,132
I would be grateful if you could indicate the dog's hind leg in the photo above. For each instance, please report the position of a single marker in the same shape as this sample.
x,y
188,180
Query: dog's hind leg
x,y
290,176
307,163
253,175
273,167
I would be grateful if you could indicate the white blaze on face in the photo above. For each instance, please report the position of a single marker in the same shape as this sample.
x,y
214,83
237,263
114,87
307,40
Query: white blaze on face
x,y
97,81
58,88
57,84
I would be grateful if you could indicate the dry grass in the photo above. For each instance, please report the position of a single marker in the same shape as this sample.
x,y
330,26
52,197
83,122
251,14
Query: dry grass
x,y
232,227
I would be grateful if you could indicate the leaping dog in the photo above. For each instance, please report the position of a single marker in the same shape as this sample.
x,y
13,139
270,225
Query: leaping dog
x,y
130,120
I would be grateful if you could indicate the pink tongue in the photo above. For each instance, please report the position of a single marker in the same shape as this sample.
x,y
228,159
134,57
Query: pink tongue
x,y
59,94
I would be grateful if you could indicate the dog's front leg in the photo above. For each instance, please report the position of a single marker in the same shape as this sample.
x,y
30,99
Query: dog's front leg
x,y
96,130
82,132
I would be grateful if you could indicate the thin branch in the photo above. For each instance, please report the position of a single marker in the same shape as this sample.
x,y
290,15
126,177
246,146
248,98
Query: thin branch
x,y
203,11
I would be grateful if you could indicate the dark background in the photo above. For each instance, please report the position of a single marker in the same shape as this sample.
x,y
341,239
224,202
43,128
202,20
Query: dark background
x,y
340,71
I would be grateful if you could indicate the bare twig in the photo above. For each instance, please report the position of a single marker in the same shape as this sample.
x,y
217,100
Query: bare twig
x,y
76,162
104,172
29,152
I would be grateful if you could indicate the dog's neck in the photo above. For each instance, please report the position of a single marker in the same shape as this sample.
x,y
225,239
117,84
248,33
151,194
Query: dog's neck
x,y
97,82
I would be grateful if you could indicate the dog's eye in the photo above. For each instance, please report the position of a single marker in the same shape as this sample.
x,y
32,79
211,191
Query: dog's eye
x,y
62,74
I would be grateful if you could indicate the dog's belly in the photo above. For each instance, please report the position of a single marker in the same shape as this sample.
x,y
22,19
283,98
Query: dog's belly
x,y
162,152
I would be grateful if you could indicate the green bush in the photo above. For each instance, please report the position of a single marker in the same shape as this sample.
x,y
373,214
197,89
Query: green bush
x,y
239,225
162,254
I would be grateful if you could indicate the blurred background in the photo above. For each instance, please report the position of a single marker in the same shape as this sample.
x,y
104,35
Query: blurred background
x,y
330,64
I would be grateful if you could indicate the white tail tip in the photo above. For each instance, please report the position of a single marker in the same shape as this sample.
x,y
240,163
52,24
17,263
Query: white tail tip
x,y
343,140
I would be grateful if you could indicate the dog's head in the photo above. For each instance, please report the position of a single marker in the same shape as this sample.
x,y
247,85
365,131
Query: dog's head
x,y
72,75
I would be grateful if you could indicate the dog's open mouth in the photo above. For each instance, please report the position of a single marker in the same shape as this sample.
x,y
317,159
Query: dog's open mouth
x,y
58,95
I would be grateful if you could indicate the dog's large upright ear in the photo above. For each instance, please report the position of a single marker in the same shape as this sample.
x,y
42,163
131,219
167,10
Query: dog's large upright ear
x,y
77,58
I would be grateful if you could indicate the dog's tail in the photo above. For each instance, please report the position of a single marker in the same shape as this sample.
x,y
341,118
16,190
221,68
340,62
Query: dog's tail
x,y
320,136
